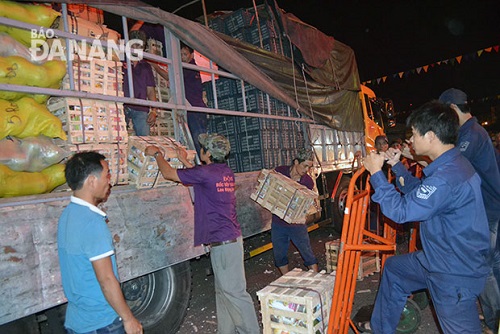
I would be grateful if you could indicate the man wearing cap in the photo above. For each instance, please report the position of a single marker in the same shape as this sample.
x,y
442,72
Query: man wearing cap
x,y
216,226
144,85
282,232
475,144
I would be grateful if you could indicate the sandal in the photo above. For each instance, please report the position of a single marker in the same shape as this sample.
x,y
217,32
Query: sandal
x,y
364,326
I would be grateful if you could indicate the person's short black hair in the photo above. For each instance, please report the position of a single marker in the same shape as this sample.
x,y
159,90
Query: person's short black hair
x,y
436,117
183,45
212,159
80,166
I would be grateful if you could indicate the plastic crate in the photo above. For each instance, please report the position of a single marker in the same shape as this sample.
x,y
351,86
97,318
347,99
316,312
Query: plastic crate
x,y
284,197
240,18
297,302
248,124
250,141
116,155
249,161
224,125
143,170
90,121
217,24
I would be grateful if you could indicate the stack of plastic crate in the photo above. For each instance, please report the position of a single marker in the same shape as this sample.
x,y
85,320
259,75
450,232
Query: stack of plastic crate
x,y
284,197
143,170
297,302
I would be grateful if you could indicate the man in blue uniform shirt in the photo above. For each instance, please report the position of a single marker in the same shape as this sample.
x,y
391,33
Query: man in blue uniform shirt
x,y
454,232
476,145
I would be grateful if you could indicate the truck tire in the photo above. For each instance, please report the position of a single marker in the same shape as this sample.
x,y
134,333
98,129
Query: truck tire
x,y
339,202
159,300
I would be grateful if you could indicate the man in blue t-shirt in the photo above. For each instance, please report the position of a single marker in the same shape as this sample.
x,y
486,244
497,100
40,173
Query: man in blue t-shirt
x,y
216,226
87,256
454,233
475,144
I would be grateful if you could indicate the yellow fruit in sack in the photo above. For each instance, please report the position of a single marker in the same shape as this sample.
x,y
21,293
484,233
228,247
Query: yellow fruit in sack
x,y
27,118
54,175
17,70
39,15
23,183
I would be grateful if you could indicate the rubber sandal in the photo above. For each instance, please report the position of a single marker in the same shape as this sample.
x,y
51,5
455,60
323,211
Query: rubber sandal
x,y
364,327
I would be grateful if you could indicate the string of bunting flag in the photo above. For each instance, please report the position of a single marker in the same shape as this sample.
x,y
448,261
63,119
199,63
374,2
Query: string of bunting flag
x,y
425,68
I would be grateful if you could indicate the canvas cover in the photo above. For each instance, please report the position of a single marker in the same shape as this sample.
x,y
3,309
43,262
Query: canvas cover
x,y
321,82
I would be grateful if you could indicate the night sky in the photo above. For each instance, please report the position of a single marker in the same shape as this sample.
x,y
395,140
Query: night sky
x,y
389,37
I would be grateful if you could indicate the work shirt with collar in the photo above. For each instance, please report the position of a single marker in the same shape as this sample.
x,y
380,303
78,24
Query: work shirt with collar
x,y
448,204
476,145
83,237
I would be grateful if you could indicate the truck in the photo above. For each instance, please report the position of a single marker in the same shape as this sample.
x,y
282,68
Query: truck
x,y
300,104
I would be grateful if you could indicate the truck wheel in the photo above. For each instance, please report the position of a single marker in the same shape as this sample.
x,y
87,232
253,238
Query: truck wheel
x,y
159,300
339,202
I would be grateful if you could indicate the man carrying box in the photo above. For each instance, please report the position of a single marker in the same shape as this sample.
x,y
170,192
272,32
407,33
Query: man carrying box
x,y
216,226
282,232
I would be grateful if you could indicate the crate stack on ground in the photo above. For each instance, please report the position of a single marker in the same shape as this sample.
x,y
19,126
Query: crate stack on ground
x,y
143,170
95,125
297,302
284,197
368,265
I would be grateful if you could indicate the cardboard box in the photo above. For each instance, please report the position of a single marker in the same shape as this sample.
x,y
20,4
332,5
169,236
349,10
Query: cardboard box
x,y
143,170
297,302
284,197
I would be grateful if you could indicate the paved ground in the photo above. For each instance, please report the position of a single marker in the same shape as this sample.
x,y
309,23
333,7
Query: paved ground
x,y
201,316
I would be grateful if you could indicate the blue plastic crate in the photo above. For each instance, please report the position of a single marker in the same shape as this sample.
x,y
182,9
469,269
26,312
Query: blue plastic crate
x,y
250,161
256,101
217,24
226,87
224,125
248,124
250,141
238,19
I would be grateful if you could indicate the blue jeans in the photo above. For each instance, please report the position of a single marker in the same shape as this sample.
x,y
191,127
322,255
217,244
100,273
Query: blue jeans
x,y
115,328
455,305
281,237
198,124
139,120
490,297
